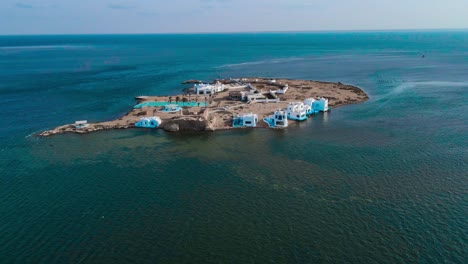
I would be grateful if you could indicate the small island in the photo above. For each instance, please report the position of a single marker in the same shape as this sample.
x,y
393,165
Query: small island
x,y
229,103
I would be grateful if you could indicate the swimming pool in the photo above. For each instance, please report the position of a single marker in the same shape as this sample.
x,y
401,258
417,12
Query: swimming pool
x,y
155,104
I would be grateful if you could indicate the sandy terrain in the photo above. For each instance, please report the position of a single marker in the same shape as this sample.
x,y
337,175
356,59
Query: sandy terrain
x,y
220,110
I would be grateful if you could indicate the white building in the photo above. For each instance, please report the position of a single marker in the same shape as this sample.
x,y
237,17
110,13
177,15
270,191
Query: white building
x,y
308,104
282,90
309,101
316,105
252,95
203,88
320,105
297,111
245,120
278,119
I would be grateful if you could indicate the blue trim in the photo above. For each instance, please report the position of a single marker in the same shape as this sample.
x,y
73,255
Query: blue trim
x,y
312,112
150,124
270,124
237,122
298,119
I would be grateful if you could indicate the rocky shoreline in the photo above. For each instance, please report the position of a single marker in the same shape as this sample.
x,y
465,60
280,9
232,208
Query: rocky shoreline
x,y
221,107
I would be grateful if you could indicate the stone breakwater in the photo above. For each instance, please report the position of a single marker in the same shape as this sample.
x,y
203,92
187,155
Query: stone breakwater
x,y
222,106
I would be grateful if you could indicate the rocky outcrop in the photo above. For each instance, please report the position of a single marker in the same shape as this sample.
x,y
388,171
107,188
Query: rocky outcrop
x,y
91,128
186,124
172,126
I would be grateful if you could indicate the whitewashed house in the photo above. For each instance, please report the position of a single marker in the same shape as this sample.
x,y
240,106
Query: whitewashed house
x,y
297,111
203,88
309,106
279,119
316,105
309,101
245,120
320,105
252,95
282,90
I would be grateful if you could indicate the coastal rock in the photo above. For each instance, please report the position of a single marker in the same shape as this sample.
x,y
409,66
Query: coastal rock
x,y
186,124
171,126
209,125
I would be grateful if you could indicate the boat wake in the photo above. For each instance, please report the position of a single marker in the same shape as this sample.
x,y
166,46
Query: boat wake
x,y
269,61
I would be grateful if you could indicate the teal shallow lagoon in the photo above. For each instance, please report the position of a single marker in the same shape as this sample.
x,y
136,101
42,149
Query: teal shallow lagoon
x,y
158,104
379,182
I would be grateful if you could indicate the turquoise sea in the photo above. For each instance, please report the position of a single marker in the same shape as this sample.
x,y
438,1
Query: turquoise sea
x,y
384,181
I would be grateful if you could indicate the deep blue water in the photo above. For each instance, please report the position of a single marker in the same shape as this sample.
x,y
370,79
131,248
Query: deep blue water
x,y
384,181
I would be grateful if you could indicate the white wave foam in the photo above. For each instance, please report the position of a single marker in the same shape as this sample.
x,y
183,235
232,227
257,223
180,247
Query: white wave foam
x,y
411,85
404,86
43,47
443,83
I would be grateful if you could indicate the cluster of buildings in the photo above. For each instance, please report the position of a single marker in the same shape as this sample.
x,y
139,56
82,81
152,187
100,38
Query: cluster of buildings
x,y
252,94
297,111
243,91
300,110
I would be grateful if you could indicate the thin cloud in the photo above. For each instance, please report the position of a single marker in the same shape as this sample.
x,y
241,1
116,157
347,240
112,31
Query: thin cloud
x,y
29,6
23,5
149,13
214,4
117,6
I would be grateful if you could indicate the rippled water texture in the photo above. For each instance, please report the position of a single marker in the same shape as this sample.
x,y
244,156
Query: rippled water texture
x,y
384,181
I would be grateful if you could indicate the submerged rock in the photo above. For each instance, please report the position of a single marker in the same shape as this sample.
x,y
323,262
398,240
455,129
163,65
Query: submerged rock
x,y
191,81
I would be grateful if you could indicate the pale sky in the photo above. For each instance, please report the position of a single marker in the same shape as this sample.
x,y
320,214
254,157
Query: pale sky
x,y
174,16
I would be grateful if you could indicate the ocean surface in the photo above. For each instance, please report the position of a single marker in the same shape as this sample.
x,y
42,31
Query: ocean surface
x,y
384,181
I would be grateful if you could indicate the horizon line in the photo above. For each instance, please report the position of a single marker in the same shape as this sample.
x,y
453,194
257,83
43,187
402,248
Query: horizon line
x,y
247,32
